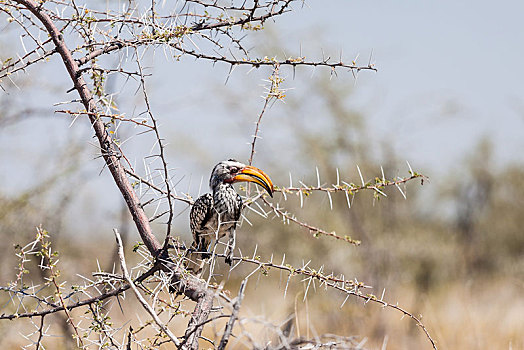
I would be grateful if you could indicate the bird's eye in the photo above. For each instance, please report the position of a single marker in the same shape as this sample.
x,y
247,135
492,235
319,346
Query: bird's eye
x,y
234,170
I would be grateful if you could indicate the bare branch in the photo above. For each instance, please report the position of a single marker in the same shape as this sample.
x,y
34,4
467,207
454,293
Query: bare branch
x,y
234,316
351,188
108,152
139,296
315,231
273,93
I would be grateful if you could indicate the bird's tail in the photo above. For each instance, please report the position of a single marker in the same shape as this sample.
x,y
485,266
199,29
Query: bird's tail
x,y
195,259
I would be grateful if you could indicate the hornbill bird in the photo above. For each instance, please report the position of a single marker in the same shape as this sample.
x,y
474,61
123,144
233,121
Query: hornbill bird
x,y
216,214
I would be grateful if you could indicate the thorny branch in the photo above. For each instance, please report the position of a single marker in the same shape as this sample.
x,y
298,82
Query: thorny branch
x,y
212,33
119,117
40,333
273,93
162,155
349,287
352,189
349,189
108,152
233,317
101,36
312,229
307,274
115,292
139,296
190,285
69,318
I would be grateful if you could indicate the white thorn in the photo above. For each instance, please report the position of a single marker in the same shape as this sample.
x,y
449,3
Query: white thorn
x,y
398,187
361,177
410,170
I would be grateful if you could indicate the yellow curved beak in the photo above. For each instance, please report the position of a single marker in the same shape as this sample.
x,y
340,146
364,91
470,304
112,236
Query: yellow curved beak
x,y
252,174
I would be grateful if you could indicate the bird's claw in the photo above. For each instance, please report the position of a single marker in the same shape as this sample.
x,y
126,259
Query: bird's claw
x,y
229,261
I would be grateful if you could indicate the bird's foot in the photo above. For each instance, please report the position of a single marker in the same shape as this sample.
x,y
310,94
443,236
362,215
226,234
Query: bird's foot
x,y
229,261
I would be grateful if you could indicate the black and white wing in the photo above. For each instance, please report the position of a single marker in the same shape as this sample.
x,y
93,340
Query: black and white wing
x,y
201,213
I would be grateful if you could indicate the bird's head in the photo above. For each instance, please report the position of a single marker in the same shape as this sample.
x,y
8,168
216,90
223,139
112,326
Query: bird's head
x,y
231,171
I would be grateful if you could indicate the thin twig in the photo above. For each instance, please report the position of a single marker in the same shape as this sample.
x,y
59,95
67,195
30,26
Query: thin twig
x,y
270,95
108,152
40,334
234,316
312,229
351,188
160,146
81,303
139,296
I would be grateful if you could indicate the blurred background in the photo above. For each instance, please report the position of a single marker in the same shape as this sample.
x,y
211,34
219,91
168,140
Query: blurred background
x,y
447,98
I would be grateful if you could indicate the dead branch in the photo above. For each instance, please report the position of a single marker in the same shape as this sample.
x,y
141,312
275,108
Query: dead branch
x,y
234,316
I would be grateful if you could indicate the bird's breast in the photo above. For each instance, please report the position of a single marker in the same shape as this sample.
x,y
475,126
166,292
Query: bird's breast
x,y
223,212
227,202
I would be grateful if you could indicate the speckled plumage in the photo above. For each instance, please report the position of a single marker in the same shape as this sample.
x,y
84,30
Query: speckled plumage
x,y
212,213
215,215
